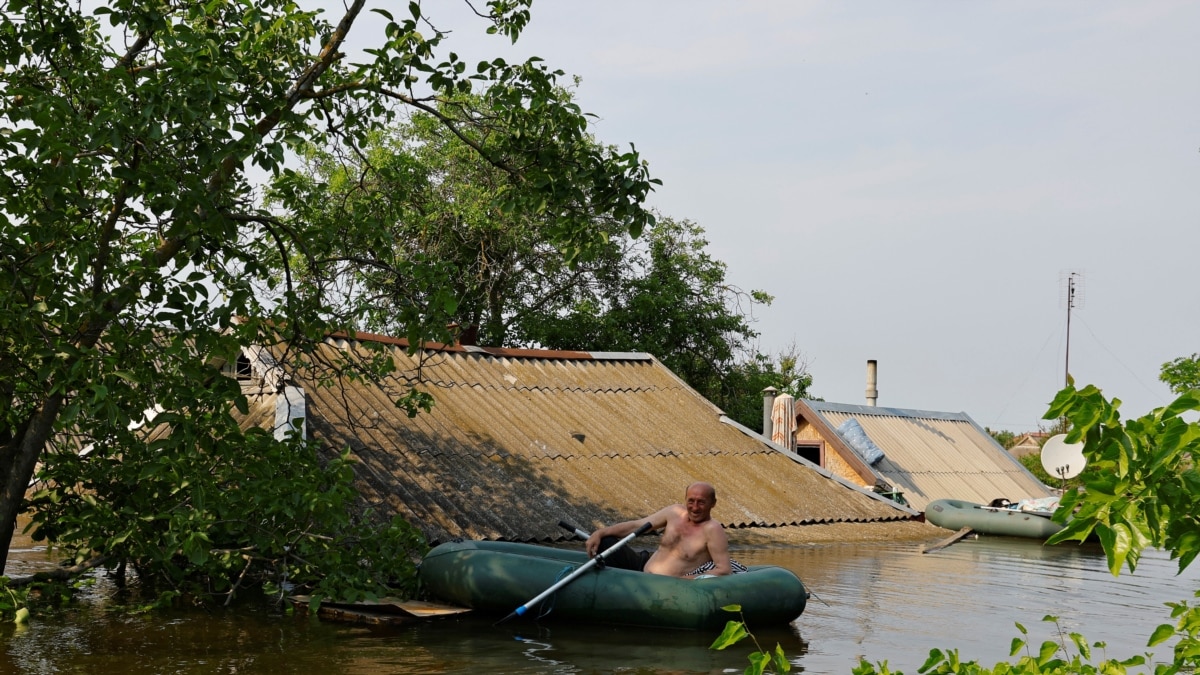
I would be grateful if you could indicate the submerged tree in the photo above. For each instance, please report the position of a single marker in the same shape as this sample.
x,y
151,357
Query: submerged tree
x,y
136,257
668,297
441,201
445,209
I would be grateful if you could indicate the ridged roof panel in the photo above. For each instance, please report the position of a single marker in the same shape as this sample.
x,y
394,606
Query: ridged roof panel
x,y
932,455
513,444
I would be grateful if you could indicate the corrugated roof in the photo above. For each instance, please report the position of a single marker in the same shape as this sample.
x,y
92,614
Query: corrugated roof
x,y
934,455
518,440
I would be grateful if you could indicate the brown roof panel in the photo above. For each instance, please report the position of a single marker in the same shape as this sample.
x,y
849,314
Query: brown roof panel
x,y
932,455
517,441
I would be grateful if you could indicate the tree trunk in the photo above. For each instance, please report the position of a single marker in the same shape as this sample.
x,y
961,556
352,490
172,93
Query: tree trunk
x,y
18,469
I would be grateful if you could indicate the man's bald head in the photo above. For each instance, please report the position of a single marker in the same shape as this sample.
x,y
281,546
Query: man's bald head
x,y
709,490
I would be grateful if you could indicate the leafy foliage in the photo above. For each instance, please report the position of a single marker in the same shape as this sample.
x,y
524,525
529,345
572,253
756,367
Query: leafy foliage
x,y
197,524
760,660
137,259
1182,374
13,603
740,394
666,296
1005,438
443,205
1144,490
1071,653
17,599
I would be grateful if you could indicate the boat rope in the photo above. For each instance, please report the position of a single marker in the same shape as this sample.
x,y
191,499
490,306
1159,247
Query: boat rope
x,y
814,595
548,606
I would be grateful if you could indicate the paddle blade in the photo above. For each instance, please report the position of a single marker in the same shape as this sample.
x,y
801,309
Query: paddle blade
x,y
516,612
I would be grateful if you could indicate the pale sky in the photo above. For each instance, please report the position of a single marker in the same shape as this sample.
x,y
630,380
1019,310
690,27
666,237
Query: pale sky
x,y
912,180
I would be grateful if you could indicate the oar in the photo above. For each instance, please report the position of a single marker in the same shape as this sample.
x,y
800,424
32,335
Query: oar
x,y
572,529
520,611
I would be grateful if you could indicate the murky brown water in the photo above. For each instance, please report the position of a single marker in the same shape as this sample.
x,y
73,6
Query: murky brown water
x,y
883,602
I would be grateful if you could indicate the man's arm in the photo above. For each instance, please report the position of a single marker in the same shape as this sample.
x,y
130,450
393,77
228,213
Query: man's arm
x,y
718,548
657,522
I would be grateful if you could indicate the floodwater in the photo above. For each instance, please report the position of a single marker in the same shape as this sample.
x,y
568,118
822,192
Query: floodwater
x,y
878,601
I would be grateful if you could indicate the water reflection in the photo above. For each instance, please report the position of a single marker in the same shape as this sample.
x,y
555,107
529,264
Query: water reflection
x,y
895,603
875,601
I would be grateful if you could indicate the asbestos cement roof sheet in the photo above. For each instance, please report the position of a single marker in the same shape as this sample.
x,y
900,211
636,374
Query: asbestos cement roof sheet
x,y
935,455
516,442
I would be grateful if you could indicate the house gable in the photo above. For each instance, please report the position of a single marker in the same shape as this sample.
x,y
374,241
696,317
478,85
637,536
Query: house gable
x,y
927,455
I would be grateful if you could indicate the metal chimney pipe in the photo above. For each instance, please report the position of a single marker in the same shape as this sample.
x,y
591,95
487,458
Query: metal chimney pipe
x,y
768,404
872,392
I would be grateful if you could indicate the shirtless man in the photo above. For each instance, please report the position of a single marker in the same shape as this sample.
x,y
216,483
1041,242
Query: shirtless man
x,y
690,539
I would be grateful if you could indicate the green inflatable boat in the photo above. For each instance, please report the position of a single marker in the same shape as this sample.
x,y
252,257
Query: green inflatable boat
x,y
955,514
497,577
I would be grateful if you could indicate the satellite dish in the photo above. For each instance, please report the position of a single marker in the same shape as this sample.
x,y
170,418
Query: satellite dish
x,y
1062,459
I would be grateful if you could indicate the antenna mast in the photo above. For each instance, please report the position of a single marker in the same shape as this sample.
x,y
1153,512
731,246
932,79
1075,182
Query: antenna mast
x,y
1074,298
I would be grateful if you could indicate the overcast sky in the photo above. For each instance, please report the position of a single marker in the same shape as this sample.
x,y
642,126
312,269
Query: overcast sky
x,y
913,180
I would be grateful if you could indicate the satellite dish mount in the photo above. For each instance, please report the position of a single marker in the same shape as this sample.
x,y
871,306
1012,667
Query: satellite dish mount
x,y
1062,459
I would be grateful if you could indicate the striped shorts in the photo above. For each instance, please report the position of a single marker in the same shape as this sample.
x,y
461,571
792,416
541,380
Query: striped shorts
x,y
707,567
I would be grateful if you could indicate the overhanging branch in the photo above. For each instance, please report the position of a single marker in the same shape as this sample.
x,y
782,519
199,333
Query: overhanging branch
x,y
60,574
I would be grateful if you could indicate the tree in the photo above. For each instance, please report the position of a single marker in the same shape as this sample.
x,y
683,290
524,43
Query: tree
x,y
667,296
741,394
1144,489
661,293
442,204
1182,374
1005,438
137,257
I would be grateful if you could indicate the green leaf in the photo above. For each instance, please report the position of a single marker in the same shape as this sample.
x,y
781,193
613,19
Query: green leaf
x,y
1161,634
758,663
1081,644
779,661
22,616
735,631
1184,403
1117,547
1047,652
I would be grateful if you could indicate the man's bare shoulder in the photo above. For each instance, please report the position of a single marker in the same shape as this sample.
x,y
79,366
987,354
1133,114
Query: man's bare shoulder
x,y
678,510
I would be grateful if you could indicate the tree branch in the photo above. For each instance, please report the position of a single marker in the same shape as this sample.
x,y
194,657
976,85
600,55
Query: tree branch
x,y
107,230
170,247
451,124
126,61
61,574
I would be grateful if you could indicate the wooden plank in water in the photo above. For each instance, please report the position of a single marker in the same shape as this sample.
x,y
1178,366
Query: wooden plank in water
x,y
948,540
355,616
382,608
422,610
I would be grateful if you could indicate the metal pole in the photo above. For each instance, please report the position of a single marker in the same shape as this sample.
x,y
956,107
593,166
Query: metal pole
x,y
1070,304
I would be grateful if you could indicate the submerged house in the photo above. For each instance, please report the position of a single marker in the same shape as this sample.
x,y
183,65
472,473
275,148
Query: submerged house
x,y
916,455
1029,443
518,440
